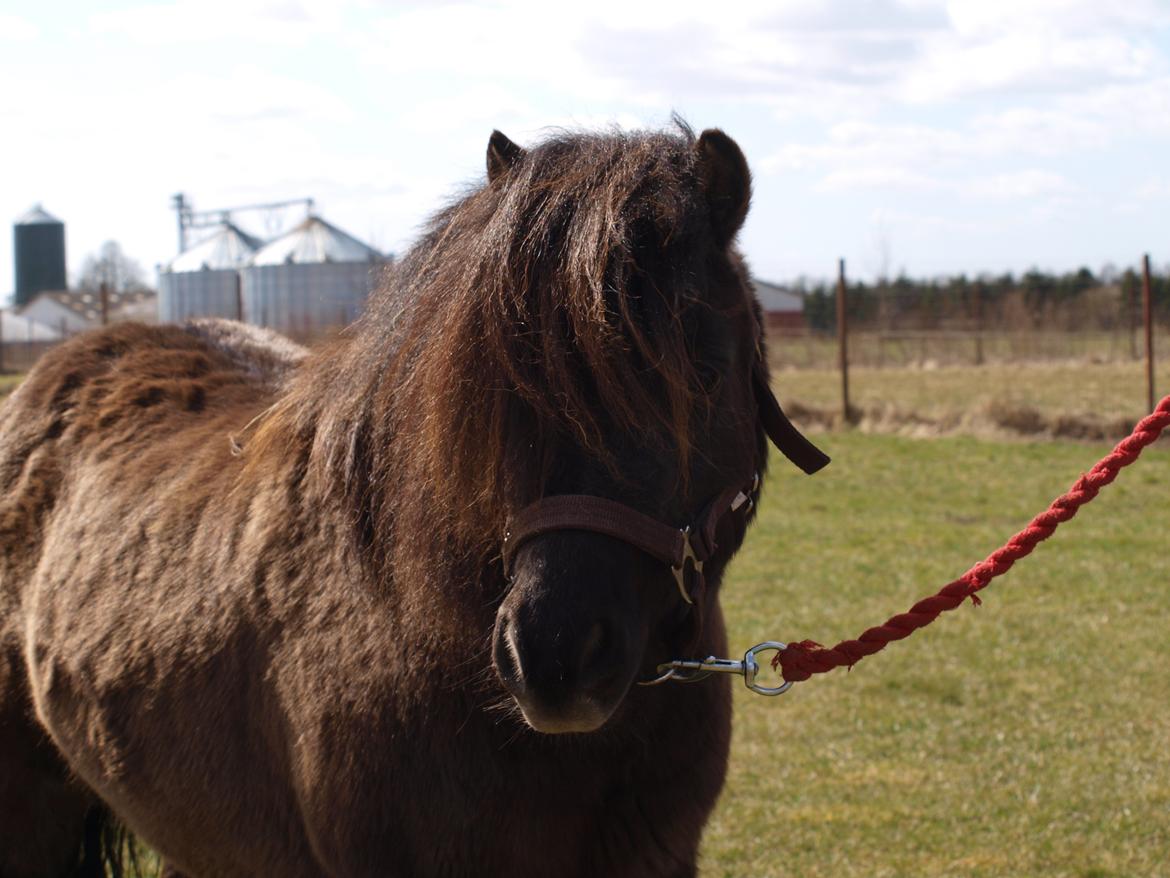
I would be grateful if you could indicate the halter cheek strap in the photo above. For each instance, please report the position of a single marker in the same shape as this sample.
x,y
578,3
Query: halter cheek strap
x,y
783,433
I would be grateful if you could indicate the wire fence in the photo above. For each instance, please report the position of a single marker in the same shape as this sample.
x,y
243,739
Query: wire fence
x,y
925,348
19,356
897,335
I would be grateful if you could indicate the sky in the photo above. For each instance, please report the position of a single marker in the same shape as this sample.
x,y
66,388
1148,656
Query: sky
x,y
926,136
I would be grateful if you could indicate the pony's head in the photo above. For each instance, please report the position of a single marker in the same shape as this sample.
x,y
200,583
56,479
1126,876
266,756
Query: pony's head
x,y
580,325
638,372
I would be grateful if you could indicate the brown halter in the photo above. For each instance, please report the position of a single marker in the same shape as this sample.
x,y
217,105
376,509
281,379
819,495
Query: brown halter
x,y
671,545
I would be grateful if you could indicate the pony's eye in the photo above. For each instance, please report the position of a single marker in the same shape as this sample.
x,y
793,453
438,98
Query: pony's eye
x,y
710,373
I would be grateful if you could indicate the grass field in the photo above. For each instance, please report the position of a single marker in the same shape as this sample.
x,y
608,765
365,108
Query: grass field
x,y
1030,736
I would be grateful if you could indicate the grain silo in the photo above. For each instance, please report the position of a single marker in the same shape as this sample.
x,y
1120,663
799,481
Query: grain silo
x,y
313,278
204,280
39,246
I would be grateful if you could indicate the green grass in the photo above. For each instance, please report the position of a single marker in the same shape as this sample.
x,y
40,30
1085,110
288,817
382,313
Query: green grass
x,y
1030,736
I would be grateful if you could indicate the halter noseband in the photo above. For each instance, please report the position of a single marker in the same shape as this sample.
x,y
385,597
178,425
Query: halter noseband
x,y
670,545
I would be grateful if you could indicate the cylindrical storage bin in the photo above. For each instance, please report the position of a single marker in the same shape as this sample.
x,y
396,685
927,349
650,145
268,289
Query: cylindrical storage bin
x,y
311,280
204,281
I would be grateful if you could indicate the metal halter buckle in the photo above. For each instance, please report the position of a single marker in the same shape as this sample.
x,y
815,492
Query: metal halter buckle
x,y
691,671
680,572
747,501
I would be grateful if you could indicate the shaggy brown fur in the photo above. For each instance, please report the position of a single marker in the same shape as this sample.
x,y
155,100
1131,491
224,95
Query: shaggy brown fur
x,y
247,595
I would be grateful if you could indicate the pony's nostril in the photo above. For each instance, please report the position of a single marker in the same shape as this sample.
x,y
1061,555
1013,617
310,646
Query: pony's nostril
x,y
595,646
602,654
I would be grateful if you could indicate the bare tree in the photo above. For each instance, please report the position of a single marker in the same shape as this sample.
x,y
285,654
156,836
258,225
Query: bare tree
x,y
111,266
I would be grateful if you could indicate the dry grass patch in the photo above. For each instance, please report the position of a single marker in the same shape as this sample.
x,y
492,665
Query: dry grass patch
x,y
1075,400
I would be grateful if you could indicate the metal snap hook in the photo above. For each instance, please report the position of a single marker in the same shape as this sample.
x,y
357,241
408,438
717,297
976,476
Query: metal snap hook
x,y
751,668
691,671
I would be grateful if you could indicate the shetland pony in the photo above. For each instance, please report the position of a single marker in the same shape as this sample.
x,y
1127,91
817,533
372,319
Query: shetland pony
x,y
252,599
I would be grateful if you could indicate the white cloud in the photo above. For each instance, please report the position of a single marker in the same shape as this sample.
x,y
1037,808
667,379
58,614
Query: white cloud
x,y
974,18
470,40
14,29
850,148
878,177
1126,110
1154,188
1043,61
856,143
485,103
287,22
1032,183
883,219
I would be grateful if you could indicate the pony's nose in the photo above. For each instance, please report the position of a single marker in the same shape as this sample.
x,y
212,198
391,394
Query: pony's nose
x,y
559,676
553,662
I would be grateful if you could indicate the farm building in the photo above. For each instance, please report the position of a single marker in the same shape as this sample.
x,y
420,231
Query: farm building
x,y
310,279
783,307
204,280
22,341
16,328
69,311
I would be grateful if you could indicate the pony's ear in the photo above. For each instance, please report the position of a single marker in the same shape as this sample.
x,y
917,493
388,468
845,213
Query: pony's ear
x,y
726,181
502,153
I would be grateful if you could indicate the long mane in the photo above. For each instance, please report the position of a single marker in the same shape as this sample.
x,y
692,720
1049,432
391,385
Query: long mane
x,y
545,307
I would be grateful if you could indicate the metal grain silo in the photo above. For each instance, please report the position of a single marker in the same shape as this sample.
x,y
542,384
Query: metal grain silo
x,y
203,281
313,278
39,246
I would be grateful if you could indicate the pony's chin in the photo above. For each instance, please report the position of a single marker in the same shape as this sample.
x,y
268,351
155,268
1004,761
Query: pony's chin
x,y
583,717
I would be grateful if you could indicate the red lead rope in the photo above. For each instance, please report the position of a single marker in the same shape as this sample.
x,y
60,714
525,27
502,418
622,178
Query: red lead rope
x,y
801,660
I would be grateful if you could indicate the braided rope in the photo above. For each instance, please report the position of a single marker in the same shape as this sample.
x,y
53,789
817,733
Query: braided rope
x,y
801,660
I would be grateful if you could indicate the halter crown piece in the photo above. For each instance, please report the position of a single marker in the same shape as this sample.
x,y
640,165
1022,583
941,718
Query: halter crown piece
x,y
682,548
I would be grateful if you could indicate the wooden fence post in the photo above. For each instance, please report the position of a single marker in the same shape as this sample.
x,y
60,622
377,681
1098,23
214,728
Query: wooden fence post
x,y
1148,317
1131,309
977,292
842,340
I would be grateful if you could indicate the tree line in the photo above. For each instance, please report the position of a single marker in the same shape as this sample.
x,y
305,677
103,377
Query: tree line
x,y
1074,300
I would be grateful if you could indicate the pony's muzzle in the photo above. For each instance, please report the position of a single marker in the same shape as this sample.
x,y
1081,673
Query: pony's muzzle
x,y
562,682
565,646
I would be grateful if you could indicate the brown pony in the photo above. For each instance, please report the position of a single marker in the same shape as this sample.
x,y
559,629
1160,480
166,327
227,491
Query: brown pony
x,y
252,602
